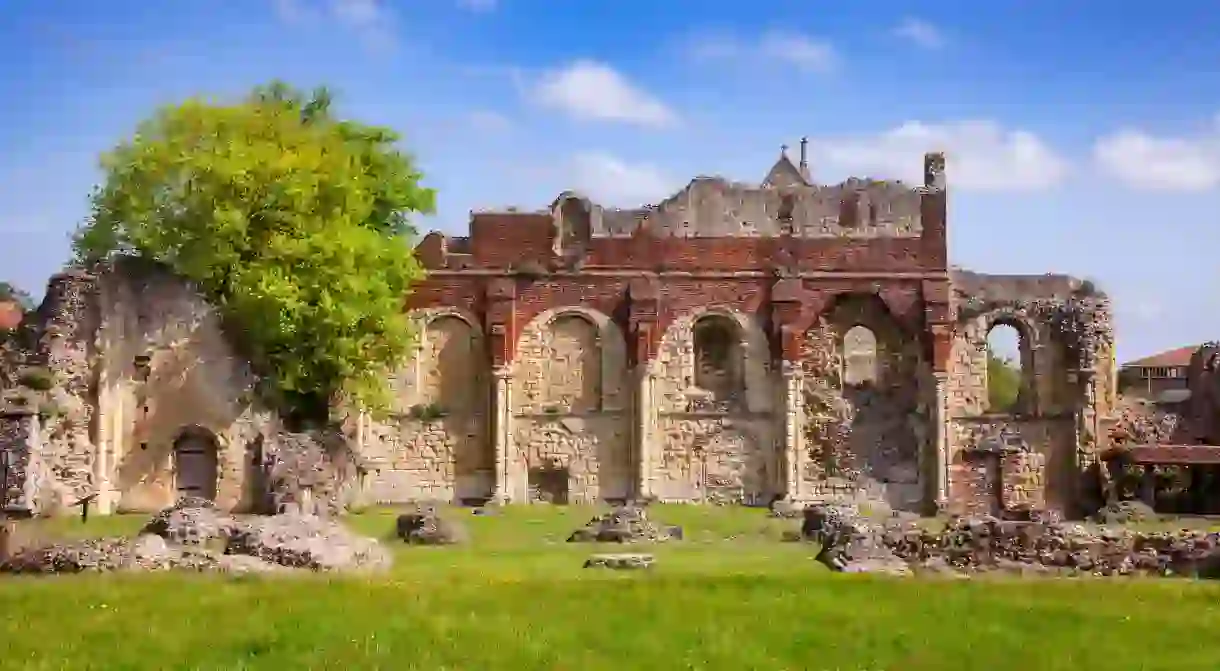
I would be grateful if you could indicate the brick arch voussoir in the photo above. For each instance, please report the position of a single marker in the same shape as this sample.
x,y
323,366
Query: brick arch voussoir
x,y
608,329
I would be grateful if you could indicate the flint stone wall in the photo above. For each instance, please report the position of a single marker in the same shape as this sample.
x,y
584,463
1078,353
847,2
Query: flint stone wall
x,y
20,463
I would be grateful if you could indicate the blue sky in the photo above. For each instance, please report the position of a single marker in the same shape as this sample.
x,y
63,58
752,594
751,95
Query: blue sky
x,y
1082,138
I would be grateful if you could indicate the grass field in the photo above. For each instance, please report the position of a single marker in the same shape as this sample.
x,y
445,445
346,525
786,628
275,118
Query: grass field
x,y
729,597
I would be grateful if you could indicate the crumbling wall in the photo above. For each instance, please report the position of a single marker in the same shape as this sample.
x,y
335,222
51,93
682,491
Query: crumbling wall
x,y
571,424
314,473
47,370
863,437
715,207
434,445
167,369
21,470
128,358
1068,370
1019,454
714,396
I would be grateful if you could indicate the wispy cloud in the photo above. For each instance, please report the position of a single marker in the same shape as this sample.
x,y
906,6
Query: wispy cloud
x,y
981,155
1162,163
803,52
372,20
921,33
595,91
611,180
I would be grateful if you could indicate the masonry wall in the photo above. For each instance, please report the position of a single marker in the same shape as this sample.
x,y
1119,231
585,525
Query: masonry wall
x,y
867,419
166,369
1039,451
433,446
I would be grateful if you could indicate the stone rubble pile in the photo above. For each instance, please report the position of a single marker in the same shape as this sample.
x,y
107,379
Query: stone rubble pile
x,y
1141,423
424,525
625,524
195,535
969,545
1125,512
850,542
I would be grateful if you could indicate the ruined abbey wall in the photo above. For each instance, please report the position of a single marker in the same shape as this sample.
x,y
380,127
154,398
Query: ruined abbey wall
x,y
1038,451
135,364
733,344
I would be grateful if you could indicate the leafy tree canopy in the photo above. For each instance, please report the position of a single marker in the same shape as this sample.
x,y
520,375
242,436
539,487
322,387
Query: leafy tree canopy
x,y
1003,383
295,223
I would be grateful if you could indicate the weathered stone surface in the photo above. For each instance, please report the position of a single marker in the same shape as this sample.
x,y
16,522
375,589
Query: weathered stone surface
x,y
620,561
732,344
1125,512
426,526
177,538
308,541
849,542
988,544
193,521
627,524
310,473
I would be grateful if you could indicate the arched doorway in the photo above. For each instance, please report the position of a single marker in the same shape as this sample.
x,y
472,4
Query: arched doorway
x,y
195,463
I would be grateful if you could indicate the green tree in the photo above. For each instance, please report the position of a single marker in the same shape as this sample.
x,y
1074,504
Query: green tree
x,y
1003,383
295,223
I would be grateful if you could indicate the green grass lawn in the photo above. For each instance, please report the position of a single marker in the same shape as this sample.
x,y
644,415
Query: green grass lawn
x,y
729,597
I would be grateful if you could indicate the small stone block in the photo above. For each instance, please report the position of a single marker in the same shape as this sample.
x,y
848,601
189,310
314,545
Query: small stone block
x,y
620,561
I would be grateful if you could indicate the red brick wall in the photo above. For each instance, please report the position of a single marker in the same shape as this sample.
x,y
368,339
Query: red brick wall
x,y
679,275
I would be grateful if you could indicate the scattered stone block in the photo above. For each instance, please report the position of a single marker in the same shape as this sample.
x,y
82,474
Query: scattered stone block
x,y
625,524
424,525
177,538
620,561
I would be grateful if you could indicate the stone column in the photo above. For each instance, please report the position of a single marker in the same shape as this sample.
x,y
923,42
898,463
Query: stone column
x,y
501,434
110,423
940,438
794,430
645,420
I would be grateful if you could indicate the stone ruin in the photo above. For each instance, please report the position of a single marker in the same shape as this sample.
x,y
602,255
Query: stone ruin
x,y
733,344
424,525
973,545
625,524
123,391
1167,456
195,535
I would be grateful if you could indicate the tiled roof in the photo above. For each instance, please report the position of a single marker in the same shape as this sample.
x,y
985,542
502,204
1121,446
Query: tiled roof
x,y
1171,358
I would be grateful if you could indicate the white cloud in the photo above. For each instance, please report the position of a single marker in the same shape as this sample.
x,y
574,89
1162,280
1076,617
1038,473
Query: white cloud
x,y
1144,161
478,5
594,91
372,21
801,51
612,181
981,155
921,33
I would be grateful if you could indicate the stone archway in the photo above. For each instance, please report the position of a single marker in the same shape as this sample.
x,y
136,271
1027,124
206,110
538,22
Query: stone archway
x,y
196,463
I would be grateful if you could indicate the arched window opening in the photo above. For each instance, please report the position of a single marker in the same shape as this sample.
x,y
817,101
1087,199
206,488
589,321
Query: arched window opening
x,y
719,358
1006,354
859,356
